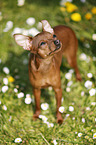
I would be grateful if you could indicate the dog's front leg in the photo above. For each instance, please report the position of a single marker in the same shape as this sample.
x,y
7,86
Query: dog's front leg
x,y
58,94
37,93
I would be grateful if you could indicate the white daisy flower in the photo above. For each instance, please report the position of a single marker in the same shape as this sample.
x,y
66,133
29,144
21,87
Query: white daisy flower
x,y
5,81
93,103
54,142
50,88
4,107
4,89
39,26
5,29
28,96
94,136
73,118
88,84
79,134
70,83
33,31
25,32
44,106
67,115
71,108
30,21
68,89
15,90
83,56
18,140
28,100
63,2
89,75
71,71
44,118
61,109
92,92
17,30
68,76
87,108
6,70
82,93
83,120
20,95
21,2
50,124
9,24
94,37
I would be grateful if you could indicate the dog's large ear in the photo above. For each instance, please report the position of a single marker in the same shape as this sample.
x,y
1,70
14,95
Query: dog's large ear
x,y
24,41
46,26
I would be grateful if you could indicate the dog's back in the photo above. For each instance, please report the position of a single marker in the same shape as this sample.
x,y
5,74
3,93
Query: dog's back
x,y
69,41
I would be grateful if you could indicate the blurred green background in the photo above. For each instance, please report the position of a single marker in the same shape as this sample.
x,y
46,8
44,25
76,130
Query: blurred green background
x,y
16,59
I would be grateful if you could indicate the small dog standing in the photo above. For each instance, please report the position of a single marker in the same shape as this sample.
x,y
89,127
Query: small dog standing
x,y
46,50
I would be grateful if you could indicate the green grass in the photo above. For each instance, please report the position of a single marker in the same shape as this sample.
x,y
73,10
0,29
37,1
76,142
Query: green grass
x,y
20,124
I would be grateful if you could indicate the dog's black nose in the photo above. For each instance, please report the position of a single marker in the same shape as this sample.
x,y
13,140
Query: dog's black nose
x,y
57,42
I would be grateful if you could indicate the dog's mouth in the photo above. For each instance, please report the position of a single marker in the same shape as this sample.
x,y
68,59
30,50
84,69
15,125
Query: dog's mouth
x,y
58,48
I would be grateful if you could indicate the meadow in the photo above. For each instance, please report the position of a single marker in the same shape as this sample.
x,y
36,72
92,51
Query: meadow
x,y
17,104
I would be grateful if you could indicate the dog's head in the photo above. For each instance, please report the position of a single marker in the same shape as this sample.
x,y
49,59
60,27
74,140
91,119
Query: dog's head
x,y
43,44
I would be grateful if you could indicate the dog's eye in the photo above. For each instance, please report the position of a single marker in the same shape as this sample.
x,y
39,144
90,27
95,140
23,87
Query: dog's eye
x,y
54,36
42,43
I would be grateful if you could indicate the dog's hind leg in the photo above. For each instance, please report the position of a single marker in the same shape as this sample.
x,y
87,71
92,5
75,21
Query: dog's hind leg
x,y
72,60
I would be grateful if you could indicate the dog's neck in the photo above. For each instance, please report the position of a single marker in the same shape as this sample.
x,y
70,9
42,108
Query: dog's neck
x,y
43,64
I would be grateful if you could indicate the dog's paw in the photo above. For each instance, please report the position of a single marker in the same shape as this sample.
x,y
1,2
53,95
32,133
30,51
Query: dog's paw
x,y
78,77
36,115
59,118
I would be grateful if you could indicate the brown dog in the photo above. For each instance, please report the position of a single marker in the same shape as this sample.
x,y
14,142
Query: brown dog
x,y
46,50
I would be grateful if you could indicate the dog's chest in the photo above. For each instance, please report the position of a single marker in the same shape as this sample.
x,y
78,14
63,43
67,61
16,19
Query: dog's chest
x,y
44,77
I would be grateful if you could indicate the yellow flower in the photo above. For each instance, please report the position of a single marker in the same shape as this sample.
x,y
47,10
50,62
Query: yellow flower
x,y
93,10
62,9
70,7
67,4
88,16
11,79
76,17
